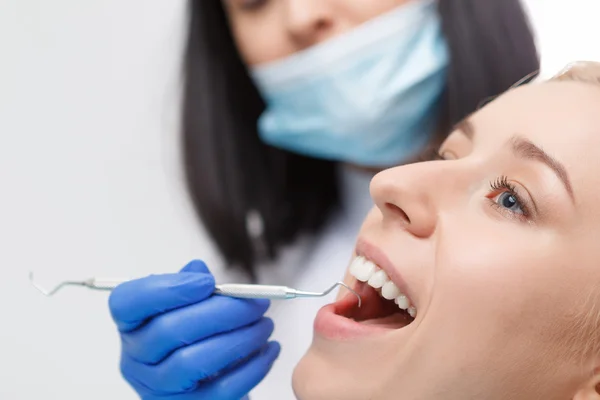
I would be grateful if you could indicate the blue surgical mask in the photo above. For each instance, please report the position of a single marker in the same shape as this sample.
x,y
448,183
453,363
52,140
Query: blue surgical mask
x,y
369,96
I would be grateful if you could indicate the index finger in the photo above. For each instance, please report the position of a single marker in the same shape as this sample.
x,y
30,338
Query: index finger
x,y
134,302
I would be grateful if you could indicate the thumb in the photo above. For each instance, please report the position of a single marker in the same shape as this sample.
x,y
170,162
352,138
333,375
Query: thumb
x,y
197,266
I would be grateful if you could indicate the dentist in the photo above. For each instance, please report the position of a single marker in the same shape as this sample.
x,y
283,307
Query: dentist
x,y
290,106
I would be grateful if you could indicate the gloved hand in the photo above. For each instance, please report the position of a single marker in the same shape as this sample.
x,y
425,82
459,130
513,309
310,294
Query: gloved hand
x,y
179,342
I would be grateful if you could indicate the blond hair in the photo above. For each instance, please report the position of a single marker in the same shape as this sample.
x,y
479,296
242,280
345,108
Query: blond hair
x,y
580,71
585,332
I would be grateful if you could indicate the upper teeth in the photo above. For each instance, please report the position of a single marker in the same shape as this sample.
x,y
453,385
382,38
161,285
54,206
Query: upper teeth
x,y
366,271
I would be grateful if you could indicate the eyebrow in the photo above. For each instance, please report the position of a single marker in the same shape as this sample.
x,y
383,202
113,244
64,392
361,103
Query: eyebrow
x,y
527,150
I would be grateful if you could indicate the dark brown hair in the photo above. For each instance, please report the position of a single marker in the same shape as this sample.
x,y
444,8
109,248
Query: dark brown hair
x,y
232,175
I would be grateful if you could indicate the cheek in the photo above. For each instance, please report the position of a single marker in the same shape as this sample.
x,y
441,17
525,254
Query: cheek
x,y
499,290
507,274
360,11
260,40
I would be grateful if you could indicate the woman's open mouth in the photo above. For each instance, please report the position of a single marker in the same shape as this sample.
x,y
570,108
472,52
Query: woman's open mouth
x,y
384,307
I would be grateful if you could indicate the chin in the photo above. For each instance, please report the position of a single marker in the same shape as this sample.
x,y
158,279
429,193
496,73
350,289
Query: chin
x,y
347,370
316,378
303,379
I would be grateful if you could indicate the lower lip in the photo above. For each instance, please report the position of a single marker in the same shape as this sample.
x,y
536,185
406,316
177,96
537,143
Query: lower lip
x,y
330,324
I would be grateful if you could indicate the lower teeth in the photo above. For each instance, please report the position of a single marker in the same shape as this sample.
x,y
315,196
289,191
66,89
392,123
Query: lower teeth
x,y
399,320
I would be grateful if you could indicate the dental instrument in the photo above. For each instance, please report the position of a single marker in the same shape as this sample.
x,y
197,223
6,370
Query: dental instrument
x,y
238,290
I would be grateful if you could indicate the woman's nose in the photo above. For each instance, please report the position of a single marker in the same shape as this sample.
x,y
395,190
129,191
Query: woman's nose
x,y
309,22
406,198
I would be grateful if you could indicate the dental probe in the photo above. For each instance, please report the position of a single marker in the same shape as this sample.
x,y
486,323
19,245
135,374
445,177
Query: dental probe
x,y
238,290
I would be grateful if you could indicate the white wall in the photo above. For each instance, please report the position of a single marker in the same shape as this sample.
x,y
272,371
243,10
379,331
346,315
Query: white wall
x,y
89,173
567,30
90,183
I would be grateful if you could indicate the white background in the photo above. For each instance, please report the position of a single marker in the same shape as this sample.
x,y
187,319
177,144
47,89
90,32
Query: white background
x,y
90,178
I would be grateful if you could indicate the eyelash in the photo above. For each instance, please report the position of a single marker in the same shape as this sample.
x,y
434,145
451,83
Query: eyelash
x,y
502,185
499,186
251,5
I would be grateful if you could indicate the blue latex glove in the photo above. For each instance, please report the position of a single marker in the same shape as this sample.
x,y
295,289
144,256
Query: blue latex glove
x,y
179,342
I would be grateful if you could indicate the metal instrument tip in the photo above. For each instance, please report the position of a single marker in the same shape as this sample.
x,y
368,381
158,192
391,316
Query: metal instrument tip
x,y
349,288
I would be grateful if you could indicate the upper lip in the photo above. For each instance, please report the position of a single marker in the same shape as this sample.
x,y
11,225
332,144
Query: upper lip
x,y
377,256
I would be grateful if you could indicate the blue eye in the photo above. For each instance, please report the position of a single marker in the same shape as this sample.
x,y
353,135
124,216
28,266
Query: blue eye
x,y
506,198
510,201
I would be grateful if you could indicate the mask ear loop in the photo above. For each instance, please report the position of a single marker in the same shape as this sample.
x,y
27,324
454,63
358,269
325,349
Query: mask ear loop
x,y
526,79
523,81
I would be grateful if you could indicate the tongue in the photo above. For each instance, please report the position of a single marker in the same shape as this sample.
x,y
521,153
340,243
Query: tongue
x,y
394,321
